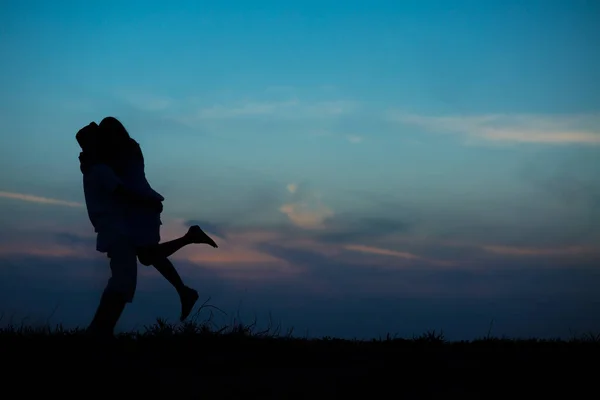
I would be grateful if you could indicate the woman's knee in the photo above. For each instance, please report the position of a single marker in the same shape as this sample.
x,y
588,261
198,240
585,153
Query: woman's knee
x,y
146,255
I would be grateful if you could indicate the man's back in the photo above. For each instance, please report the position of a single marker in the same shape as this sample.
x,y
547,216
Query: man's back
x,y
105,210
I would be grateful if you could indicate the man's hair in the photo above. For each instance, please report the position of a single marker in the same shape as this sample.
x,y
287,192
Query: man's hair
x,y
87,139
87,135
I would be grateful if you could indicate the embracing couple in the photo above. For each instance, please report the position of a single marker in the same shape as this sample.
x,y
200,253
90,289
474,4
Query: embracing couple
x,y
125,212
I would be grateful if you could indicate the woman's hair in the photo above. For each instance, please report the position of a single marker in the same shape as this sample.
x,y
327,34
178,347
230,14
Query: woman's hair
x,y
114,130
116,145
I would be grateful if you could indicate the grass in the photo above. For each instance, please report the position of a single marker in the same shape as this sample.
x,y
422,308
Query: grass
x,y
198,359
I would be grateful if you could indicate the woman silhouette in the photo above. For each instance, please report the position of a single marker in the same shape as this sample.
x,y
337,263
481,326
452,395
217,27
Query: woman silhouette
x,y
126,159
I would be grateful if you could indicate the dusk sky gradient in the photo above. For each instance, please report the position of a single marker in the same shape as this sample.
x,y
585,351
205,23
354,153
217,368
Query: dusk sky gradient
x,y
365,167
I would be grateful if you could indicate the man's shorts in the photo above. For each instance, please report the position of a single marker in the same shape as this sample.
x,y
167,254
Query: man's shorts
x,y
123,266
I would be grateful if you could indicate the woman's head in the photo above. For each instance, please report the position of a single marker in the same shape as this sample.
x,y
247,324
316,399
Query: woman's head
x,y
115,143
113,131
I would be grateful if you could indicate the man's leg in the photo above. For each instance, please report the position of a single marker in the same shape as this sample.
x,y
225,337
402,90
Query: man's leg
x,y
108,313
119,291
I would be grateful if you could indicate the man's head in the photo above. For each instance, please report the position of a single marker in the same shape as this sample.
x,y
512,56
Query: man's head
x,y
87,137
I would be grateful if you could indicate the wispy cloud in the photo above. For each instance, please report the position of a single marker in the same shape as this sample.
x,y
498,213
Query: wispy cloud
x,y
245,110
354,139
292,188
574,129
305,210
192,111
394,253
379,251
292,108
304,217
46,250
38,199
539,252
146,101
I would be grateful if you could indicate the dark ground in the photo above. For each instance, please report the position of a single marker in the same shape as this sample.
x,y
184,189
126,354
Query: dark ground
x,y
193,363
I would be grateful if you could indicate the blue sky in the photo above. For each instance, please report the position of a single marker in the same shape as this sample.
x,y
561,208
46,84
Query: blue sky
x,y
425,165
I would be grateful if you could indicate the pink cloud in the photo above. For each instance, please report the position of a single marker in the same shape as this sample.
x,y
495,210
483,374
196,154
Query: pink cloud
x,y
241,255
41,249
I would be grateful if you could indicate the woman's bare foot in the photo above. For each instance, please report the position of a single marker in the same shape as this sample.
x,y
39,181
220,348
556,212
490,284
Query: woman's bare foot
x,y
188,300
197,235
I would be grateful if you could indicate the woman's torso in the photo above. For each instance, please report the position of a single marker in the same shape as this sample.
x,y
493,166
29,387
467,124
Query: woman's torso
x,y
134,178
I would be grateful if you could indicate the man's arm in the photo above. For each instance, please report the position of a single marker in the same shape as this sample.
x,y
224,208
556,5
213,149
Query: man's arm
x,y
110,182
138,199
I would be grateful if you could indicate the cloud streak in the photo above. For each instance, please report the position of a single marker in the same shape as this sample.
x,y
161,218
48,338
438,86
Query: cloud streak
x,y
197,114
393,253
39,199
552,130
287,109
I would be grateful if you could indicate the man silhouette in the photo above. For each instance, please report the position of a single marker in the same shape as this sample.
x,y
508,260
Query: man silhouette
x,y
111,204
105,196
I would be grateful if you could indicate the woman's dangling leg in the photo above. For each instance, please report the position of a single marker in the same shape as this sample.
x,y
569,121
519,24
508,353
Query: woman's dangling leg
x,y
167,249
157,256
187,295
193,235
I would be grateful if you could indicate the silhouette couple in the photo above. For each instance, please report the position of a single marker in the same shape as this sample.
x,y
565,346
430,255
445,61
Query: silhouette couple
x,y
125,213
